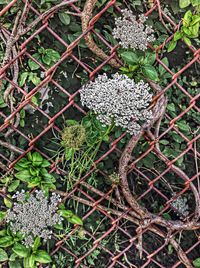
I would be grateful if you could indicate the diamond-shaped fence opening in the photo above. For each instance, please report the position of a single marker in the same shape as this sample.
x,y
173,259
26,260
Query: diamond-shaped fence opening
x,y
48,51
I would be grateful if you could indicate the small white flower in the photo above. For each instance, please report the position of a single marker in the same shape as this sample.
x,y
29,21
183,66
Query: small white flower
x,y
33,216
131,32
120,100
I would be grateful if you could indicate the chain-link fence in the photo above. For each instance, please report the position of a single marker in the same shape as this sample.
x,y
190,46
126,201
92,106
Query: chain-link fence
x,y
113,234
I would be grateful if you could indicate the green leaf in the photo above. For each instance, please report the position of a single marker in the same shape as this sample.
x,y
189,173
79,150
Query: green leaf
x,y
161,69
172,46
3,255
69,153
34,182
71,122
64,18
183,126
13,257
33,65
7,202
14,264
150,58
42,256
22,164
178,35
184,3
196,263
187,41
195,20
23,175
187,18
164,142
194,30
65,213
2,215
20,250
34,78
45,163
75,220
34,100
130,57
23,78
6,241
195,2
150,72
37,159
31,261
51,56
171,107
36,244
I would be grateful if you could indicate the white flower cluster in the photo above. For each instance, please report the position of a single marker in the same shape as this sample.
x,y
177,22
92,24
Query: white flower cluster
x,y
33,216
120,100
132,32
180,204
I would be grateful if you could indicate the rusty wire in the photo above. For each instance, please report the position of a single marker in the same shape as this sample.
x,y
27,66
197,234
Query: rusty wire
x,y
142,221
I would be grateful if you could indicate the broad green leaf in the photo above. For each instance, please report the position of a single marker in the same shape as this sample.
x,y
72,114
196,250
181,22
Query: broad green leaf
x,y
13,257
150,72
171,107
184,3
7,202
42,256
20,250
34,78
178,35
194,30
3,255
34,182
64,18
34,100
172,45
150,58
37,159
23,175
187,18
130,57
51,56
164,142
65,213
161,69
22,164
45,163
14,264
6,241
33,65
196,263
187,41
183,126
13,186
195,2
195,20
36,244
2,215
75,220
23,78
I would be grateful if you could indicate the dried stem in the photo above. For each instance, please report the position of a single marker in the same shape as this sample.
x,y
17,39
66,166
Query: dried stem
x,y
86,16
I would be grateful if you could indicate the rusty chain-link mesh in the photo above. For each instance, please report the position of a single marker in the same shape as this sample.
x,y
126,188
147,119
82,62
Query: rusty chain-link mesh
x,y
117,219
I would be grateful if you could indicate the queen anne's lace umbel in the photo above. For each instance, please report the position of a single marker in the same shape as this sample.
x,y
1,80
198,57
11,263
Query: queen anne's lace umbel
x,y
132,32
120,100
34,216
